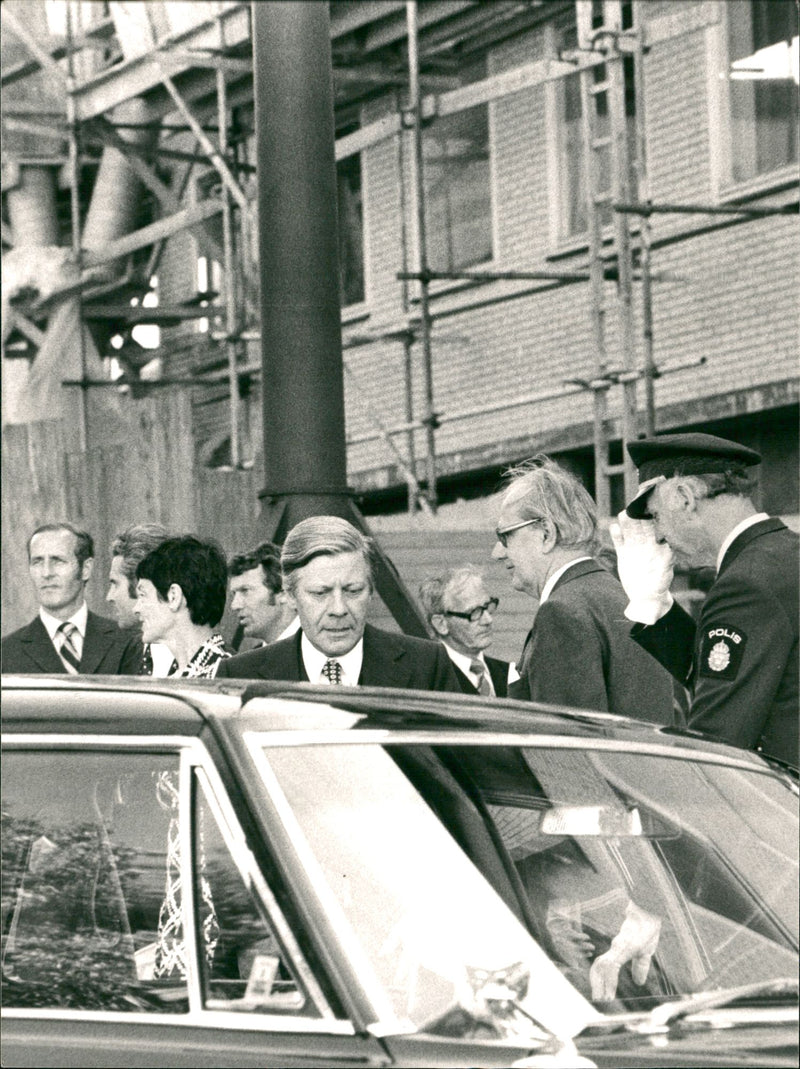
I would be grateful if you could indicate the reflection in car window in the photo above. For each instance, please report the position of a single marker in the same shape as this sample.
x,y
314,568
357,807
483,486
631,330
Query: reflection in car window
x,y
243,965
426,931
84,851
644,878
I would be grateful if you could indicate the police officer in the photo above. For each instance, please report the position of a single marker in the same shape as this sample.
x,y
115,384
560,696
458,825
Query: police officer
x,y
741,661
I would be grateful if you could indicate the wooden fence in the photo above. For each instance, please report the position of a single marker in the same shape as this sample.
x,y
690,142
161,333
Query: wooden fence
x,y
146,472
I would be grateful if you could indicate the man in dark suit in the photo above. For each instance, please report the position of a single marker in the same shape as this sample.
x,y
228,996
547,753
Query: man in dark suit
x,y
461,613
741,660
579,651
66,637
327,577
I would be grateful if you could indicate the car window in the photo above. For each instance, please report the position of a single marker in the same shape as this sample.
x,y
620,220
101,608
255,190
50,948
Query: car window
x,y
94,845
428,934
643,878
85,848
243,964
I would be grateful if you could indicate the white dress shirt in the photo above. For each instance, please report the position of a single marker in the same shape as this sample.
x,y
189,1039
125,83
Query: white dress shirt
x,y
52,624
314,661
162,659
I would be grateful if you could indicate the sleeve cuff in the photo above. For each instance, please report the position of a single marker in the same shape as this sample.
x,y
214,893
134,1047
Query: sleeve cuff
x,y
649,610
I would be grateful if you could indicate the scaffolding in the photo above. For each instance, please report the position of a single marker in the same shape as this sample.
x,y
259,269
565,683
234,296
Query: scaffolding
x,y
193,77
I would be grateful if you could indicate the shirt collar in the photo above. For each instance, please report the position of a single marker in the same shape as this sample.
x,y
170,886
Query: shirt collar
x,y
547,589
464,661
313,660
734,534
52,623
290,629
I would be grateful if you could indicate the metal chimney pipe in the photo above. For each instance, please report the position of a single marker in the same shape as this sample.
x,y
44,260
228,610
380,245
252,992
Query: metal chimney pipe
x,y
301,340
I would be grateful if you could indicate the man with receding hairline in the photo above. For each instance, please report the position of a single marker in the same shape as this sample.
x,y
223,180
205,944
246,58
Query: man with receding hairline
x,y
327,577
66,637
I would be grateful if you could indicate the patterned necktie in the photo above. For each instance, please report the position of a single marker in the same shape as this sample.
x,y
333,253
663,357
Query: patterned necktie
x,y
69,650
478,668
332,671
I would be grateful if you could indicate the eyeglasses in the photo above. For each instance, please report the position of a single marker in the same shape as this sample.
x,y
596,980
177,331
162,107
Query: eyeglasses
x,y
502,536
475,614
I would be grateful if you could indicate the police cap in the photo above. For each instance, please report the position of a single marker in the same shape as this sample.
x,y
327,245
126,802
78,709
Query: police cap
x,y
668,455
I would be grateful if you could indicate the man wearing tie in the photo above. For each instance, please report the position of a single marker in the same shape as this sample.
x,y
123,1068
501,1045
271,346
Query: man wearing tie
x,y
327,577
66,637
461,613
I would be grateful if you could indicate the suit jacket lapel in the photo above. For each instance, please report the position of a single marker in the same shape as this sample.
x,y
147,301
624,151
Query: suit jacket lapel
x,y
40,649
286,660
99,634
386,663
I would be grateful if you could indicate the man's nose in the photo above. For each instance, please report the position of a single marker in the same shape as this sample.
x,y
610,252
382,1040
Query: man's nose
x,y
498,553
336,603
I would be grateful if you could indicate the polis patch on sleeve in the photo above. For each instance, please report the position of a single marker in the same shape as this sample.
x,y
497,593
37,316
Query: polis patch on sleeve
x,y
721,652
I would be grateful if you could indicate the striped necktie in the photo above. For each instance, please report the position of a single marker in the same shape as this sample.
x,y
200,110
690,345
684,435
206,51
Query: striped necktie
x,y
332,671
478,668
69,651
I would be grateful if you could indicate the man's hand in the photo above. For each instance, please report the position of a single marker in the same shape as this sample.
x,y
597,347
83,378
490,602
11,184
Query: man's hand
x,y
645,568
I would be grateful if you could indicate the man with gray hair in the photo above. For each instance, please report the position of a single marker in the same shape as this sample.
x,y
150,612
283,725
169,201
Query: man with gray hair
x,y
327,576
127,550
579,651
461,613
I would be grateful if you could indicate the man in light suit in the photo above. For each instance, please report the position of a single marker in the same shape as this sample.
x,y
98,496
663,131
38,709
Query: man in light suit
x,y
327,577
66,637
461,613
579,651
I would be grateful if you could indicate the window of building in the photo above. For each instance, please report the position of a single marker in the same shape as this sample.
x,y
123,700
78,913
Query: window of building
x,y
458,199
571,194
351,222
760,79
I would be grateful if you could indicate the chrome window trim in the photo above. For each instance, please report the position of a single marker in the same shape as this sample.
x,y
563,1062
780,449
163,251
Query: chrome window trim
x,y
193,754
208,1019
415,736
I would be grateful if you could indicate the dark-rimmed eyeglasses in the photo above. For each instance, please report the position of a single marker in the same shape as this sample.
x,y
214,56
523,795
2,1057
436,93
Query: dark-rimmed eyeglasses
x,y
502,536
475,614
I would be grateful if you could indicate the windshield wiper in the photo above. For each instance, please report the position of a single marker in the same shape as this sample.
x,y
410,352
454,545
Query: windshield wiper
x,y
661,1017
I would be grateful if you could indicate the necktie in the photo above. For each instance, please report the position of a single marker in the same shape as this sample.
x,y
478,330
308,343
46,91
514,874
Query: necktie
x,y
332,671
478,668
69,650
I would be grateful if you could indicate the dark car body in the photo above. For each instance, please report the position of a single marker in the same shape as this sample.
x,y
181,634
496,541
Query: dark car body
x,y
225,874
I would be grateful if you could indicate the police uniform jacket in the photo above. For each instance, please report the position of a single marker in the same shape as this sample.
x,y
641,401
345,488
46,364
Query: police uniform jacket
x,y
741,660
579,652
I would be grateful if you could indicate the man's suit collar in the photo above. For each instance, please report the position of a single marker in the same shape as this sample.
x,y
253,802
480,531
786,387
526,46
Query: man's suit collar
x,y
39,647
576,571
763,527
386,660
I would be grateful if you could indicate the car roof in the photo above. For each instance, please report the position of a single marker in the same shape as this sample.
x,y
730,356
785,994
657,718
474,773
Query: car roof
x,y
143,705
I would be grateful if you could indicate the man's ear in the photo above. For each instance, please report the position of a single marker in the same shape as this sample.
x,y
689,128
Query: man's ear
x,y
86,569
439,624
175,598
685,496
549,536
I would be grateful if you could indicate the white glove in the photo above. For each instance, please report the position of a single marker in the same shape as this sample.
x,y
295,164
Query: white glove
x,y
635,942
645,568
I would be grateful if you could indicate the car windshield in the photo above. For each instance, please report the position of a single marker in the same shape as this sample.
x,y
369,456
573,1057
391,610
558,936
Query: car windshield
x,y
545,874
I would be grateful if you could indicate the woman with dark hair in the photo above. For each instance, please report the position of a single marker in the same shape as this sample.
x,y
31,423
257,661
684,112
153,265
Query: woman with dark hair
x,y
180,598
